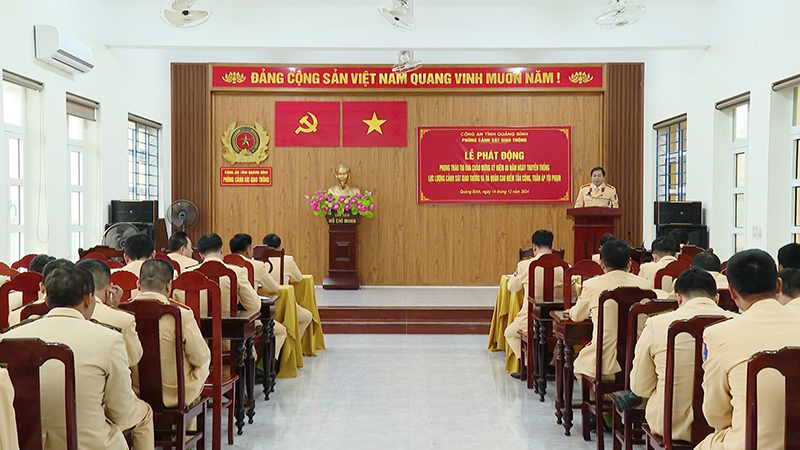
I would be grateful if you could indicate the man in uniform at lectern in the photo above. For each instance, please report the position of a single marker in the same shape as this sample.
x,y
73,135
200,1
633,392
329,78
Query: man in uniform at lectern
x,y
597,193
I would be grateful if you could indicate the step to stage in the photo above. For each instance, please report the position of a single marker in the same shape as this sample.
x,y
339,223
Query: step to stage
x,y
406,319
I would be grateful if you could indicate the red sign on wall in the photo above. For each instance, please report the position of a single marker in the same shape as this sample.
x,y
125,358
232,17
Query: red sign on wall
x,y
245,176
494,165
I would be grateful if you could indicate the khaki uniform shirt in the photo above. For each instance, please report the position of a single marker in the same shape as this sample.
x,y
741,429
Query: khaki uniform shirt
x,y
766,325
649,270
196,355
520,281
103,395
650,367
183,261
590,195
263,277
587,305
722,280
248,297
134,267
15,302
8,423
126,322
291,273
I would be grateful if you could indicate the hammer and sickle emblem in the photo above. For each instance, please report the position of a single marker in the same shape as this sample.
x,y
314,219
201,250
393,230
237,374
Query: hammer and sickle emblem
x,y
307,126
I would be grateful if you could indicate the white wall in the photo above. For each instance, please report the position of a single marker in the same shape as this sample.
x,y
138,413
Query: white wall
x,y
120,85
748,59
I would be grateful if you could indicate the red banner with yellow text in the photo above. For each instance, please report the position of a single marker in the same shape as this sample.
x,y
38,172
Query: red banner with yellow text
x,y
494,165
245,176
382,78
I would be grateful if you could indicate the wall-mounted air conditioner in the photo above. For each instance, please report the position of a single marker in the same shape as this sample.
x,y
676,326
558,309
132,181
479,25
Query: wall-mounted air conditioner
x,y
62,51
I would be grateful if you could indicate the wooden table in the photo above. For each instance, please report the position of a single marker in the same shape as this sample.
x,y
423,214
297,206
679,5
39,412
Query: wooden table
x,y
240,331
568,334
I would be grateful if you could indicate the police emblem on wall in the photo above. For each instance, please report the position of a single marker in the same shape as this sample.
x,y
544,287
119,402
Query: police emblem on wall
x,y
245,143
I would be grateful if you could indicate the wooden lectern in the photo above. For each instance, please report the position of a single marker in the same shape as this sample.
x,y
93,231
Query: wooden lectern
x,y
342,253
590,224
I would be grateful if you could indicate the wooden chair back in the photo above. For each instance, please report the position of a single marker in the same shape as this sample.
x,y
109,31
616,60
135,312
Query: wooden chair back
x,y
193,283
104,250
673,270
238,260
174,263
787,362
264,253
584,269
33,309
525,253
638,254
196,255
650,307
625,297
28,284
693,250
215,270
8,271
694,327
125,280
634,267
25,262
548,263
686,258
559,252
726,301
723,268
24,358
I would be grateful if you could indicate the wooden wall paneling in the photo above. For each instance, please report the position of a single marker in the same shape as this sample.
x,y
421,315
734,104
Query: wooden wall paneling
x,y
624,144
406,244
191,130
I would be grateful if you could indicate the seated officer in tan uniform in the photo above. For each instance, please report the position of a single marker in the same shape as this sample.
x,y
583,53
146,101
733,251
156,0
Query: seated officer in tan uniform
x,y
242,245
542,245
790,288
292,273
138,249
789,256
180,250
597,193
606,237
764,324
696,293
663,254
8,423
15,316
104,398
616,257
37,265
155,283
709,262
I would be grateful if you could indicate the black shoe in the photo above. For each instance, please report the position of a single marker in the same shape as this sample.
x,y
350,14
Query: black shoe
x,y
626,400
516,375
593,423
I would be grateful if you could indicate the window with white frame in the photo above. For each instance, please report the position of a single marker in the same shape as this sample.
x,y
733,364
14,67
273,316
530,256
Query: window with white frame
x,y
14,125
81,115
739,145
671,159
795,178
143,174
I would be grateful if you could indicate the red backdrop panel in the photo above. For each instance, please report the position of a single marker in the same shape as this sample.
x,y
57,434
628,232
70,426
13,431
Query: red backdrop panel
x,y
494,165
306,124
374,124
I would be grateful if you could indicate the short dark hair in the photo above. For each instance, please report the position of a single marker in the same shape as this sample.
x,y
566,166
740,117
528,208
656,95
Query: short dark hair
x,y
679,236
101,273
664,246
272,240
53,265
707,261
38,262
66,286
607,237
752,272
789,256
240,242
139,246
791,282
542,238
209,243
696,283
615,254
155,275
598,168
178,240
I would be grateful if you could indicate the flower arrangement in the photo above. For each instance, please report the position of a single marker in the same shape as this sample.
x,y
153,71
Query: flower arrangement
x,y
325,204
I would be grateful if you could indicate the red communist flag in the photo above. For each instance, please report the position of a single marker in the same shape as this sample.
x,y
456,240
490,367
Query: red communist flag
x,y
306,124
374,124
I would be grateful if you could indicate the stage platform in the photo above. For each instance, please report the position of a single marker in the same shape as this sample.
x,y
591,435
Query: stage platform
x,y
407,310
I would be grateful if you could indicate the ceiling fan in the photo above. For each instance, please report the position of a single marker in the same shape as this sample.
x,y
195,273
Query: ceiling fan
x,y
400,15
185,13
619,13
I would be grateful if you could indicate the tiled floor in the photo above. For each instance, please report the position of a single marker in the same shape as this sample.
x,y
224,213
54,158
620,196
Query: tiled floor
x,y
406,392
422,296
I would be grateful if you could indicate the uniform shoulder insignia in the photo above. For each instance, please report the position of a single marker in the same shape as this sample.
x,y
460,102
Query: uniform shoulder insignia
x,y
585,185
179,304
116,308
24,322
610,186
110,327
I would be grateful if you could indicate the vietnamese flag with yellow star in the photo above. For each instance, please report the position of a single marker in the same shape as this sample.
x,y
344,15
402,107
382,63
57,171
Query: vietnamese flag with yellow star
x,y
374,124
306,124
